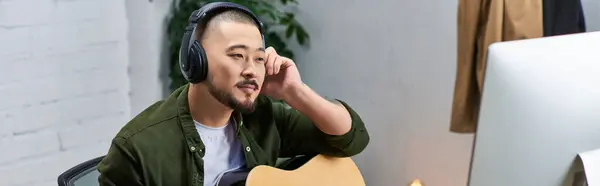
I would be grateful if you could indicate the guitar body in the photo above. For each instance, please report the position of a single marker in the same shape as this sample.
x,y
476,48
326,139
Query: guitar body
x,y
319,171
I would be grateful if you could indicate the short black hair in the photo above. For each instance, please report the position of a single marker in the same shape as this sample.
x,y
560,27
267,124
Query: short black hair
x,y
229,15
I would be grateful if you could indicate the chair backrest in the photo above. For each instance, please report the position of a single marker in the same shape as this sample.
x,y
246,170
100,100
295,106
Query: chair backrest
x,y
84,174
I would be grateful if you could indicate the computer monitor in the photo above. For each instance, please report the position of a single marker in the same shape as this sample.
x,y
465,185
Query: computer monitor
x,y
540,108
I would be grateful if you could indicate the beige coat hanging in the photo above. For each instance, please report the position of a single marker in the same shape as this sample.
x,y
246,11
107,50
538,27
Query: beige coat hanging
x,y
481,23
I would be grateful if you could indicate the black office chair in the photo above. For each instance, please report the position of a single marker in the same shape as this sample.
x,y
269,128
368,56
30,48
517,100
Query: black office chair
x,y
84,174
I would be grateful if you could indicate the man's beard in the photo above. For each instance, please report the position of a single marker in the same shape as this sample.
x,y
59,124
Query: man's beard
x,y
227,99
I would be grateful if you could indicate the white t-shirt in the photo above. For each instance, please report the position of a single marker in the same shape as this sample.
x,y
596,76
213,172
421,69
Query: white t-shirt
x,y
223,151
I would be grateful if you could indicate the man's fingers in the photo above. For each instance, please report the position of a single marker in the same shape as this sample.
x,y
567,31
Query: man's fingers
x,y
275,62
277,65
270,50
287,62
271,58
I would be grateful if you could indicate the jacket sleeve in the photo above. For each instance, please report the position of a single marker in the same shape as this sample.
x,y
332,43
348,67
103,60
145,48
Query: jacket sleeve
x,y
119,167
299,135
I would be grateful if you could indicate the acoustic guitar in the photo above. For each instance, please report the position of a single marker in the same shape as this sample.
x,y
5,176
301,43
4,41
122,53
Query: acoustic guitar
x,y
318,171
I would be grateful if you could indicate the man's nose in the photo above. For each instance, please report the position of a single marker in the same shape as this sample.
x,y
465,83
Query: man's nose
x,y
249,71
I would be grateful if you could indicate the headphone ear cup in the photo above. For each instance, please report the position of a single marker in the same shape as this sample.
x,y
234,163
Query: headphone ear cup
x,y
185,63
198,64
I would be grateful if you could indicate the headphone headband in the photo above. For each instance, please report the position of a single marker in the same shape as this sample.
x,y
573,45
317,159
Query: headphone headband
x,y
192,59
206,12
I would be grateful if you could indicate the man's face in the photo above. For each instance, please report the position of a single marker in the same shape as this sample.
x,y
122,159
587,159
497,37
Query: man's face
x,y
236,61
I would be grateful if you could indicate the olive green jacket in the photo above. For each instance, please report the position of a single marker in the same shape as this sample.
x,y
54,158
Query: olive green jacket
x,y
161,147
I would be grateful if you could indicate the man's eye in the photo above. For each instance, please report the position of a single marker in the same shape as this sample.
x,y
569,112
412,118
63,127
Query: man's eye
x,y
260,59
236,55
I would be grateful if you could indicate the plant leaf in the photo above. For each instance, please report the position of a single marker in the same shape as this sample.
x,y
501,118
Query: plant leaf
x,y
290,31
286,18
301,35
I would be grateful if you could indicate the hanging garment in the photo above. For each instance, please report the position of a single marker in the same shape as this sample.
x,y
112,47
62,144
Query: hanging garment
x,y
563,17
481,23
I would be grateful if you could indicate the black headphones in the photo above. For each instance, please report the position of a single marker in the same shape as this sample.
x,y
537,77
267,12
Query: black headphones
x,y
192,58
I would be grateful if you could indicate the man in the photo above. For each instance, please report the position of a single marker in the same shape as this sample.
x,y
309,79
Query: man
x,y
252,109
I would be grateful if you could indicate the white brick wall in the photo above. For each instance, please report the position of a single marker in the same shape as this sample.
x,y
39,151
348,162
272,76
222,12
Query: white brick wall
x,y
63,85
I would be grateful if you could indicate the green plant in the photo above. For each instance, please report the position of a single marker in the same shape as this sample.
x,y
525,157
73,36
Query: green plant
x,y
279,27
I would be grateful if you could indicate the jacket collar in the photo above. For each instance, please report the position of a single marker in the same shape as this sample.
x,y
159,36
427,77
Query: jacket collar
x,y
187,123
